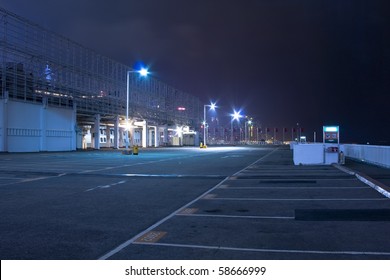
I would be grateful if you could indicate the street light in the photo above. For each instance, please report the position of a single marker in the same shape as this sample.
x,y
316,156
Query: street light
x,y
143,73
235,116
249,122
212,107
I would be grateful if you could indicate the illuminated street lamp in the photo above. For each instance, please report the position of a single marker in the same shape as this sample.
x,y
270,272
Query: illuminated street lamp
x,y
212,107
235,116
247,126
143,73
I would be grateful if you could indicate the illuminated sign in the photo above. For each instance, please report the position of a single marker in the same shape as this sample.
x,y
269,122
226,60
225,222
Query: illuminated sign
x,y
331,128
331,134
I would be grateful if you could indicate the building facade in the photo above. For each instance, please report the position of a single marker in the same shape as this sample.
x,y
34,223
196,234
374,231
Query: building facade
x,y
54,92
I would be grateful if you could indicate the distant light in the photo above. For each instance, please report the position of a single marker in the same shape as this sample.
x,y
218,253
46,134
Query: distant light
x,y
212,106
331,128
143,72
179,130
181,108
236,115
48,73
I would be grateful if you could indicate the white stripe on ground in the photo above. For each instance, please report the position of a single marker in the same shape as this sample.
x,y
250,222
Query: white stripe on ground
x,y
293,188
365,179
265,250
296,199
132,240
235,216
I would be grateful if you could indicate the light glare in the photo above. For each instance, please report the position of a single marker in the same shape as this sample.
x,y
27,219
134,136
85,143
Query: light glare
x,y
143,72
179,130
236,115
331,128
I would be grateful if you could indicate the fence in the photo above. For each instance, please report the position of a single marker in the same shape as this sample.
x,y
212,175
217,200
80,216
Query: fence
x,y
378,155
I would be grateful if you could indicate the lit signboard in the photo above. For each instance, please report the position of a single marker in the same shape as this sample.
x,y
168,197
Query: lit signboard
x,y
331,128
331,134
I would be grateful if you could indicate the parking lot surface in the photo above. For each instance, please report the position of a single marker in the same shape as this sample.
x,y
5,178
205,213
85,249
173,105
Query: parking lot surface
x,y
187,203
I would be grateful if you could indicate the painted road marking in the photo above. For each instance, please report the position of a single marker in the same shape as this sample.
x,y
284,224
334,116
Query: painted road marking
x,y
184,176
233,156
151,237
12,178
173,214
209,196
34,179
379,187
236,216
188,211
376,186
259,250
142,163
105,186
296,188
298,199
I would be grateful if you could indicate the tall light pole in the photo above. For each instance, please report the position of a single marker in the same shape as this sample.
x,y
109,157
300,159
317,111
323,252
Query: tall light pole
x,y
212,107
143,73
235,116
247,127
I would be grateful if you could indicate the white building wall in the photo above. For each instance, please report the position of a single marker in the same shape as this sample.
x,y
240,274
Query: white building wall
x,y
60,130
28,127
137,137
24,127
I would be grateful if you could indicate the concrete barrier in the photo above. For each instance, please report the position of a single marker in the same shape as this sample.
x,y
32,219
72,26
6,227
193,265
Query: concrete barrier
x,y
308,154
378,155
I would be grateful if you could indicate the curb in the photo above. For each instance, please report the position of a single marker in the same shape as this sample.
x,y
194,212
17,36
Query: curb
x,y
378,186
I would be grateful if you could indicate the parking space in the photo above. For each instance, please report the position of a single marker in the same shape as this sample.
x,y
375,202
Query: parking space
x,y
80,205
215,203
274,211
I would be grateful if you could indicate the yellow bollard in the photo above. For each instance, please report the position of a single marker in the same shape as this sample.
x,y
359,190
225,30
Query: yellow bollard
x,y
135,150
201,145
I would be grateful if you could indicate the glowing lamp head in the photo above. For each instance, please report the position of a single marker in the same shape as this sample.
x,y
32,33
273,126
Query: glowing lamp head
x,y
179,130
212,106
143,72
236,115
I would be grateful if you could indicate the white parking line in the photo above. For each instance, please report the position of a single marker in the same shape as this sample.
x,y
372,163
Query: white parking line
x,y
293,188
34,179
236,216
141,163
12,178
173,214
365,179
298,199
105,186
265,250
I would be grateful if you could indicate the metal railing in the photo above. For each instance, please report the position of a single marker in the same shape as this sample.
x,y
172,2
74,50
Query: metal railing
x,y
378,155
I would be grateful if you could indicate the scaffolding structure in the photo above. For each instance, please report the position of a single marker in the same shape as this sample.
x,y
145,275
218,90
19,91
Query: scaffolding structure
x,y
38,65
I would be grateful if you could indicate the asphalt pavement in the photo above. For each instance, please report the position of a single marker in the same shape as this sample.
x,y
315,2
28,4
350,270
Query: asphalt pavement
x,y
188,203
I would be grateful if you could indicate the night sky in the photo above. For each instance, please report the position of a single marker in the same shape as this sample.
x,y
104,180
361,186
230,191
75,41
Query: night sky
x,y
282,62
